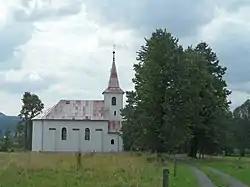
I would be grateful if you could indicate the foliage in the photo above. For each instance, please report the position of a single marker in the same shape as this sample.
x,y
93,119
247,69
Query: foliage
x,y
156,81
19,136
212,102
180,98
6,141
32,106
241,128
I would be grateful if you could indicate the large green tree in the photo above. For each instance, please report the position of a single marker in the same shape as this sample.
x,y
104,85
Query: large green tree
x,y
213,106
156,103
32,106
180,98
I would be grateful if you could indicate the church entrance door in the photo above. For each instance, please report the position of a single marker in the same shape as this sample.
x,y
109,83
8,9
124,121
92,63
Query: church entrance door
x,y
76,140
52,136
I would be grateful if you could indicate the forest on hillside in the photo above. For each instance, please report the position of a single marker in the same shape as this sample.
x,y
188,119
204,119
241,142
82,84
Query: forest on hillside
x,y
8,122
180,102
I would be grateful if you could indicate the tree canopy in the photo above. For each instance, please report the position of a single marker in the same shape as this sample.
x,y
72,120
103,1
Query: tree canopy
x,y
180,99
32,106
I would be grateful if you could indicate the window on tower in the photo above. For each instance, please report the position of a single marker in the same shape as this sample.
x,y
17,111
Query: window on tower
x,y
113,101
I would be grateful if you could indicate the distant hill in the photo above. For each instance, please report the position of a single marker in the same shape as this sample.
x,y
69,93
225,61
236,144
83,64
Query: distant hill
x,y
8,121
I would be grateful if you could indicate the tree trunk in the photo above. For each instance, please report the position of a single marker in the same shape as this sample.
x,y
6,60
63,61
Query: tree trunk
x,y
175,165
193,148
239,163
25,135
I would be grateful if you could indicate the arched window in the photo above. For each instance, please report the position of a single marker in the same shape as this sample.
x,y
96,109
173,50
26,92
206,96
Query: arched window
x,y
114,113
64,133
112,142
87,134
113,102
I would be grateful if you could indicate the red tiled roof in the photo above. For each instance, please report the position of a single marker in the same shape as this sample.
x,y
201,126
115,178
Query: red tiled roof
x,y
75,110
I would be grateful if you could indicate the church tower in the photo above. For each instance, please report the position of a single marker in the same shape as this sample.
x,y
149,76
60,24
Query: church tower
x,y
113,100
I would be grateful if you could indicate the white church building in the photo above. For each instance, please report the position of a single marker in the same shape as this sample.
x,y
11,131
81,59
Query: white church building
x,y
82,125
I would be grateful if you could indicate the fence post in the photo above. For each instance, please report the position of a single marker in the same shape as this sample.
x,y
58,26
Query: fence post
x,y
78,160
165,177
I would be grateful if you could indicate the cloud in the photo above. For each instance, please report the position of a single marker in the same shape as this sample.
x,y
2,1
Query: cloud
x,y
21,81
228,35
19,26
223,24
48,9
238,98
63,48
180,17
234,5
12,35
71,58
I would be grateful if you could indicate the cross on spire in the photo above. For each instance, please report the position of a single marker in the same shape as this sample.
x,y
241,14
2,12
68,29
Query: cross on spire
x,y
113,53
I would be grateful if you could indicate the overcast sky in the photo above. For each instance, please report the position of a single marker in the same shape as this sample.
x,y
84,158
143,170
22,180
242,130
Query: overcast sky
x,y
62,49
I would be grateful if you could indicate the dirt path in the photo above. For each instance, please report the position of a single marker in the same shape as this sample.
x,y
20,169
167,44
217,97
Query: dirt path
x,y
204,181
232,181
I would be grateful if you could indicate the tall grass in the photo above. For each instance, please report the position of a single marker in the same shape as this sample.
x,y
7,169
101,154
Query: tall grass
x,y
99,170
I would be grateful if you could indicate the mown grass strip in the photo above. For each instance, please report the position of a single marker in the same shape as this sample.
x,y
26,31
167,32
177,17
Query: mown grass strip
x,y
216,179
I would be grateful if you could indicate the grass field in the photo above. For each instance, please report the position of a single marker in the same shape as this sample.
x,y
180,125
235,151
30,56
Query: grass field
x,y
106,170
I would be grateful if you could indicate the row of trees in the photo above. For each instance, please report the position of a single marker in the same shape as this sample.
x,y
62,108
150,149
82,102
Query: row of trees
x,y
179,102
239,129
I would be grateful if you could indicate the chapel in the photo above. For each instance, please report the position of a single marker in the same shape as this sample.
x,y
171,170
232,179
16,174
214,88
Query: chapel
x,y
82,125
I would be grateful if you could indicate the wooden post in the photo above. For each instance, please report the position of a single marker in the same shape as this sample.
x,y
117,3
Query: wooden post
x,y
239,163
78,160
165,178
175,165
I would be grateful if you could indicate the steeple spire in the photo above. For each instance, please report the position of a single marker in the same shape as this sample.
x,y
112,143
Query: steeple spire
x,y
113,85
